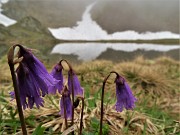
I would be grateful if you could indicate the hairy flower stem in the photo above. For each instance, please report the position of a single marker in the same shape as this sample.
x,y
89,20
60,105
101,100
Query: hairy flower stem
x,y
102,100
16,89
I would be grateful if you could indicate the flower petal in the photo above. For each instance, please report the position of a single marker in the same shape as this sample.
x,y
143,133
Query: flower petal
x,y
57,74
33,79
125,98
78,90
68,105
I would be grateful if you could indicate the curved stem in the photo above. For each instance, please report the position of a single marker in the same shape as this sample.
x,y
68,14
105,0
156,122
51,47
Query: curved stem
x,y
16,89
114,73
102,99
72,82
69,65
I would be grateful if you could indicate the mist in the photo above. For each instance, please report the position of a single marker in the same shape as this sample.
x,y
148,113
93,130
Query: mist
x,y
138,15
113,16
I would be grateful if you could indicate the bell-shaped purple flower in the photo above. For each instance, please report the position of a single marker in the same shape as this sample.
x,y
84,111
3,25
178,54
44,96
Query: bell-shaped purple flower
x,y
78,90
125,98
33,79
65,103
57,74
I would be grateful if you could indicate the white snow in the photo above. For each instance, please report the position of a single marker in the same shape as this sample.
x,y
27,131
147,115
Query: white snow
x,y
4,20
87,29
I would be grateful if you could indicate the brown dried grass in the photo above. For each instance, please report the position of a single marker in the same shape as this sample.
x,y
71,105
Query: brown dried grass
x,y
116,121
147,78
151,78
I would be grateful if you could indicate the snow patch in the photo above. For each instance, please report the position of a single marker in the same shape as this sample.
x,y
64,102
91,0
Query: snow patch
x,y
87,29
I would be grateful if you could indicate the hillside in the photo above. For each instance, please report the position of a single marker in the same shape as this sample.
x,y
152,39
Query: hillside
x,y
50,13
113,16
28,31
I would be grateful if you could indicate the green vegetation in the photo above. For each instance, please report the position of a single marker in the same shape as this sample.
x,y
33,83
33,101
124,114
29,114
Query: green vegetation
x,y
155,84
29,32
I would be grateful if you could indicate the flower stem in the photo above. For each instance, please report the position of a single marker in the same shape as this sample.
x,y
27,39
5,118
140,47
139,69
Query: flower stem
x,y
65,115
16,89
72,82
81,120
102,101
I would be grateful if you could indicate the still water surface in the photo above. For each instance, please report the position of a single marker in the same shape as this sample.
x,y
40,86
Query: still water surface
x,y
114,51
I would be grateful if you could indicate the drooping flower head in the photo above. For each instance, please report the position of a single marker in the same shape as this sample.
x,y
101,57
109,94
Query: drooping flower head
x,y
57,74
78,90
125,98
33,79
66,103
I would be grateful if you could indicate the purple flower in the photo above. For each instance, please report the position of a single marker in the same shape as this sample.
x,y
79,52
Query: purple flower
x,y
66,103
57,74
12,94
78,90
125,98
33,79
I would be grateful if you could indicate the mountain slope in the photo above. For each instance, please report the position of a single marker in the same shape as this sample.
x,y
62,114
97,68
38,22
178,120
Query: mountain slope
x,y
29,32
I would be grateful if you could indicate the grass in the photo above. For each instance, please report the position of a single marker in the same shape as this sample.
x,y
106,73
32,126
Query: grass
x,y
154,83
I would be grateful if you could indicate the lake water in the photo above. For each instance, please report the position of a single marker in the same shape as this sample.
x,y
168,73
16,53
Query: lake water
x,y
87,29
114,51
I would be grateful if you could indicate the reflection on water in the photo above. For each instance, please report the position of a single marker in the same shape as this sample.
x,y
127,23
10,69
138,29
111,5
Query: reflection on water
x,y
111,51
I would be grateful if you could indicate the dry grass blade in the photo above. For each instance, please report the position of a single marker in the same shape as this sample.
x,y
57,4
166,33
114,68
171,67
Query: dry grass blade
x,y
69,130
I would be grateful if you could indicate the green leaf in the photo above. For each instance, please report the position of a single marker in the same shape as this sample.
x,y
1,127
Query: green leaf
x,y
39,130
